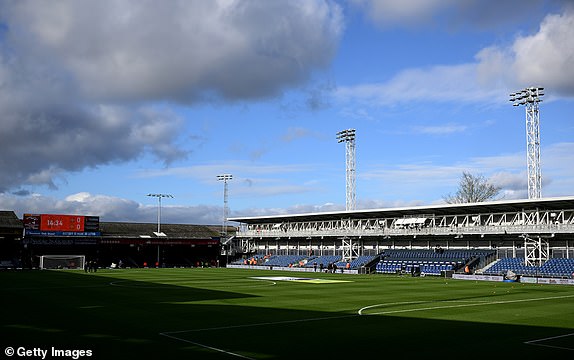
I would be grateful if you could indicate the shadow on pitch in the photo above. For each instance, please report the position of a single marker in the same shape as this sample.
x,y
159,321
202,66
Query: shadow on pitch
x,y
79,311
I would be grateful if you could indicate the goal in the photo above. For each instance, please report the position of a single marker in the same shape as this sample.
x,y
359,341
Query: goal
x,y
62,261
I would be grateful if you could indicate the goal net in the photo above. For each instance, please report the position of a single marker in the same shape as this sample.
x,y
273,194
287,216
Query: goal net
x,y
62,261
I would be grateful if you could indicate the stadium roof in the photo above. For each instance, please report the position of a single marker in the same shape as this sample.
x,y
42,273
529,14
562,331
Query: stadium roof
x,y
10,226
556,203
123,229
8,219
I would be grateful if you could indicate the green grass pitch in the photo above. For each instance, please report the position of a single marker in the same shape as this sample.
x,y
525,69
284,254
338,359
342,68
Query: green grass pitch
x,y
229,314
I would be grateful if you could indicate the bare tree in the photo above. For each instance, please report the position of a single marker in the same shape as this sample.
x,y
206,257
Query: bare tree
x,y
471,189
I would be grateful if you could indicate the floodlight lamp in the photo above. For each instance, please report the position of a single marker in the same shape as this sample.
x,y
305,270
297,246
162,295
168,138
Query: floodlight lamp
x,y
161,195
346,135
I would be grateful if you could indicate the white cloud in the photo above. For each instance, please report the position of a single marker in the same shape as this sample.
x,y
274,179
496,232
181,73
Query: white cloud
x,y
295,209
401,12
239,169
444,129
557,170
507,171
110,208
545,58
249,180
114,209
295,133
409,183
450,13
435,84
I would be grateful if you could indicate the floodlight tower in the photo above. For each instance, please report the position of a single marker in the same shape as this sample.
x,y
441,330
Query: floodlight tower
x,y
348,137
159,196
530,97
225,178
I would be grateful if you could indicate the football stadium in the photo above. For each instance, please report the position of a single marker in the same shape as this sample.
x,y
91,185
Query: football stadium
x,y
105,101
487,279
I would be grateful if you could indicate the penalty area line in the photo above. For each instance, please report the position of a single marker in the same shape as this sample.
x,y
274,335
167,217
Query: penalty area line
x,y
206,346
169,334
535,342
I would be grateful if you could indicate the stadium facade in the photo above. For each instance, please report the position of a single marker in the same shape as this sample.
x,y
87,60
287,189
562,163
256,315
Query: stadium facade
x,y
24,241
534,230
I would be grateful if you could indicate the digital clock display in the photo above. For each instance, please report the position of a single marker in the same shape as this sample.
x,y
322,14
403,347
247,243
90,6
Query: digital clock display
x,y
62,223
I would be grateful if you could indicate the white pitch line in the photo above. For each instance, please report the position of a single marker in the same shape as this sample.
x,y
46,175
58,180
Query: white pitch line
x,y
261,324
360,312
470,303
533,342
206,346
169,333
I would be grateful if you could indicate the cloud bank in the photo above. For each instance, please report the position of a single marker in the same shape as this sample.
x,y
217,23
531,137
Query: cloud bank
x,y
85,84
544,58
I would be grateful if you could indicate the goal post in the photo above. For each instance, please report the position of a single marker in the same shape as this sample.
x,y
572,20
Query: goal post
x,y
62,261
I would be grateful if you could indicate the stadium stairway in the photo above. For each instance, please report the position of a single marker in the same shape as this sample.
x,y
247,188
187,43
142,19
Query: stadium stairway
x,y
488,266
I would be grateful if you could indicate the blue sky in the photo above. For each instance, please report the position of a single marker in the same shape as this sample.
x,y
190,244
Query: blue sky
x,y
104,102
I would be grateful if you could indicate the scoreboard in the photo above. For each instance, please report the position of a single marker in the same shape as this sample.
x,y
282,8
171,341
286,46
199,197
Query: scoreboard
x,y
61,225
